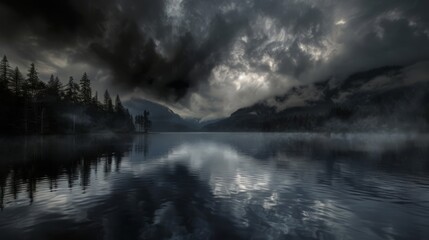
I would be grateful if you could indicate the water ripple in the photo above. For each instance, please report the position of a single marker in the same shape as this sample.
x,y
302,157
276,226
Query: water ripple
x,y
220,186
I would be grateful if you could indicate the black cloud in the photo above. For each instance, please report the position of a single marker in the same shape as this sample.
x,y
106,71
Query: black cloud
x,y
172,49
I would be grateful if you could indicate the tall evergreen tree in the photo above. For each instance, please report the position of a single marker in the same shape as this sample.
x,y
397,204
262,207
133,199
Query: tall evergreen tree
x,y
54,86
32,75
69,90
33,82
146,122
17,81
58,86
51,79
85,89
119,108
95,99
51,84
72,91
108,106
5,72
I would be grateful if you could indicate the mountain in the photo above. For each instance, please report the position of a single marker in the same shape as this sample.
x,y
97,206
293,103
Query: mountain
x,y
388,98
163,119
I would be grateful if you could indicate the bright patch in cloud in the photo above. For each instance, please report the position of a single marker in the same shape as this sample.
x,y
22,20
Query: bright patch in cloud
x,y
341,22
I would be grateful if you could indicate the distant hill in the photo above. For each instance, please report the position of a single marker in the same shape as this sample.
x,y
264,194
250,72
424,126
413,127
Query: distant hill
x,y
163,119
387,98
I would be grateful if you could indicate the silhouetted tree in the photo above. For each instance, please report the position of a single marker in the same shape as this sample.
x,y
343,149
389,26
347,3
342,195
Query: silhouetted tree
x,y
143,122
17,81
72,91
130,120
146,122
108,105
119,108
341,112
5,72
139,121
51,79
59,86
95,99
54,87
85,89
33,83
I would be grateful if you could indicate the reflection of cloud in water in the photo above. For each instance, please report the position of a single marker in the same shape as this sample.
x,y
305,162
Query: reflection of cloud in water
x,y
226,186
278,195
248,190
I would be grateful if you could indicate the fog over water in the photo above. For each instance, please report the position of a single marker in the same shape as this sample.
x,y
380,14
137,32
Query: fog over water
x,y
215,186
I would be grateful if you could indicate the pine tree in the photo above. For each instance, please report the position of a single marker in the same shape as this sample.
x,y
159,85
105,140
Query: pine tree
x,y
54,86
108,106
33,83
119,108
72,91
5,73
58,85
95,99
146,122
130,121
32,74
17,81
51,80
75,92
85,89
69,91
51,84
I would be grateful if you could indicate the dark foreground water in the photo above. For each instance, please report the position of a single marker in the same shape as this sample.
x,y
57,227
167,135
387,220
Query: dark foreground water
x,y
215,186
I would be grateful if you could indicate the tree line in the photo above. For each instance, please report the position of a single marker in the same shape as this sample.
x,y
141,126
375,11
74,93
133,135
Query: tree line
x,y
29,105
143,123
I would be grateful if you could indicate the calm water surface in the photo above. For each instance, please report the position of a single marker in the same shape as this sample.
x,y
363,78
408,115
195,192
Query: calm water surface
x,y
215,186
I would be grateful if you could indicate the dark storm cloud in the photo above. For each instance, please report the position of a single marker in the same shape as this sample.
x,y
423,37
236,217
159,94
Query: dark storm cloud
x,y
51,23
211,57
119,36
137,63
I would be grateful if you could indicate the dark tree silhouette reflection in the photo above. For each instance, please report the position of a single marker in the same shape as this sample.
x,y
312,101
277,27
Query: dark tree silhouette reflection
x,y
34,161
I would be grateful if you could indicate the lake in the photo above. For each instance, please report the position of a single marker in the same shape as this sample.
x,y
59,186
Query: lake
x,y
215,186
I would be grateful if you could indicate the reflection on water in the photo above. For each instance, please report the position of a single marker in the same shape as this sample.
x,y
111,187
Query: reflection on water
x,y
215,186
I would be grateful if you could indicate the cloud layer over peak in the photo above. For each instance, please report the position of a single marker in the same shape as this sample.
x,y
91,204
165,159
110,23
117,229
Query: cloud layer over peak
x,y
208,58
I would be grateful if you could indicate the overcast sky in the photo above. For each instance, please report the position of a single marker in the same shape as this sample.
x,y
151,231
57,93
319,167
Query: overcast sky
x,y
207,58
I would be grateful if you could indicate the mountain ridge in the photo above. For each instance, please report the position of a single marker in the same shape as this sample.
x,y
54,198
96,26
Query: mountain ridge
x,y
385,98
163,118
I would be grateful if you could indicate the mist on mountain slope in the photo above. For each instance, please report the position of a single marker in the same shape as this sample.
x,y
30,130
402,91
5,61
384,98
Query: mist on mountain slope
x,y
391,98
